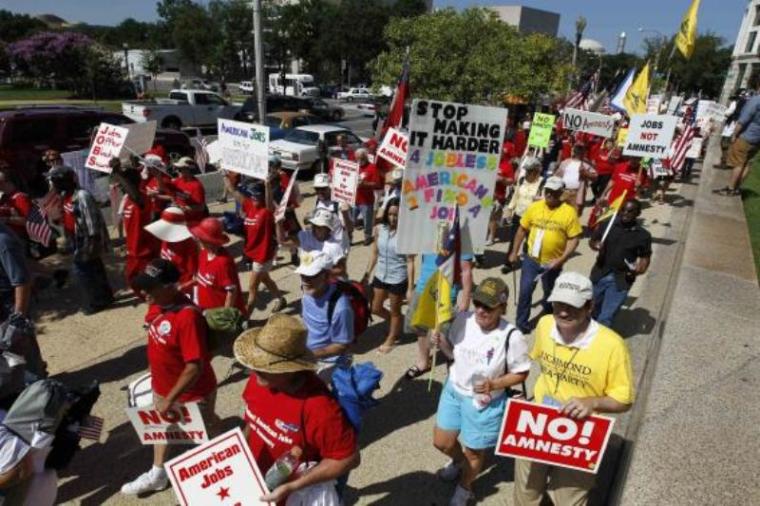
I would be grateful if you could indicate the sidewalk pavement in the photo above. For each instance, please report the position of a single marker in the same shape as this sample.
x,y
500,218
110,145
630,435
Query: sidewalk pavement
x,y
398,459
698,440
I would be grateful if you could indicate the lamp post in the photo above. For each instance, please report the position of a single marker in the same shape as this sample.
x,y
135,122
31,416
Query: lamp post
x,y
125,46
258,50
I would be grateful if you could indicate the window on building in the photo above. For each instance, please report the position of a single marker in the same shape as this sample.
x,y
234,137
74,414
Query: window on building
x,y
757,16
750,42
740,75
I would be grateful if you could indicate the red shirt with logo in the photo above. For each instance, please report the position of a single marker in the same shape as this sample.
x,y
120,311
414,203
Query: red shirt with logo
x,y
139,242
69,222
189,192
151,185
216,276
368,174
260,245
184,255
602,163
624,178
310,418
16,204
177,336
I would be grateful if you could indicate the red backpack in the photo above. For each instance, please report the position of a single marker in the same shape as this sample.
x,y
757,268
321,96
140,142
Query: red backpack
x,y
359,301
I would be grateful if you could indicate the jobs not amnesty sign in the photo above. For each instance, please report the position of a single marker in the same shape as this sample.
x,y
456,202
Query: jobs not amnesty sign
x,y
452,160
650,135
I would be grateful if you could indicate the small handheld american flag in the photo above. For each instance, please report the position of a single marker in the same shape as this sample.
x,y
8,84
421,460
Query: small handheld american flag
x,y
91,428
37,226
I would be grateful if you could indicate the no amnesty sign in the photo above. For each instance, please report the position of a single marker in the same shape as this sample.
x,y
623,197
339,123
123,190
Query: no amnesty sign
x,y
650,135
589,122
222,471
539,433
183,425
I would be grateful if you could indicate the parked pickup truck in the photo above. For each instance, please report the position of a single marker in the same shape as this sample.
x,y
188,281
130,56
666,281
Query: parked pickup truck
x,y
182,108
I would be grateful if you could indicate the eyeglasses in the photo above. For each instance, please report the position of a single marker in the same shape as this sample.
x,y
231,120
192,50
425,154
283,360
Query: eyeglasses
x,y
480,305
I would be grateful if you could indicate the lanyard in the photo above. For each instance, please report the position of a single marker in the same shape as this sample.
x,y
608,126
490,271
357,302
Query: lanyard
x,y
567,365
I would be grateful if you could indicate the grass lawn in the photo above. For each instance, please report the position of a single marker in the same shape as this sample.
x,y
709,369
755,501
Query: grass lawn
x,y
17,97
751,198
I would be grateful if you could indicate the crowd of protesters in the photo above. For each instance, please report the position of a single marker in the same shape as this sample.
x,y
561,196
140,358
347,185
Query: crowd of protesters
x,y
177,261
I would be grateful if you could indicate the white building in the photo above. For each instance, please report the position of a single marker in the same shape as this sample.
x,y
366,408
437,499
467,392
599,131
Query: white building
x,y
528,19
745,60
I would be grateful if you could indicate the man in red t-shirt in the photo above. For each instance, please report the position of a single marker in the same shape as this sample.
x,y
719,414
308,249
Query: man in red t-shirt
x,y
288,406
605,159
178,360
260,244
369,181
187,191
217,276
177,245
14,207
628,176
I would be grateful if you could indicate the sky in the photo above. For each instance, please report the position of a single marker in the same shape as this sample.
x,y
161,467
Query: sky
x,y
606,18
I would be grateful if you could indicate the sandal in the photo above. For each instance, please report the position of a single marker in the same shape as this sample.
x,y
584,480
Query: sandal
x,y
415,372
279,304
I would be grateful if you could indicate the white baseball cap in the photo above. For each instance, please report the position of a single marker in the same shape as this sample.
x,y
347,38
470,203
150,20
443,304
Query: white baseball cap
x,y
572,288
323,218
313,262
321,181
554,183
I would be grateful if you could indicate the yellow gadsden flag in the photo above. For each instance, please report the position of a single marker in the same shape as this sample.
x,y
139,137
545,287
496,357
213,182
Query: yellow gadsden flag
x,y
635,100
687,34
615,206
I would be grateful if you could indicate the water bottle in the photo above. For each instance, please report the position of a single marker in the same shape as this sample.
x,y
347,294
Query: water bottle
x,y
480,401
282,468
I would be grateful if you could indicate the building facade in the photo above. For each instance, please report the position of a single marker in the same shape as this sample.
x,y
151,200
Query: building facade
x,y
745,61
528,19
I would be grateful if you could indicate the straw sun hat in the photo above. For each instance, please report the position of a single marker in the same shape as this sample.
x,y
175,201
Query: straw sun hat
x,y
278,347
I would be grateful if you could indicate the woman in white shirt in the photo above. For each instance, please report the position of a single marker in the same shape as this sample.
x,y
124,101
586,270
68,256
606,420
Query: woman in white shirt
x,y
575,173
490,356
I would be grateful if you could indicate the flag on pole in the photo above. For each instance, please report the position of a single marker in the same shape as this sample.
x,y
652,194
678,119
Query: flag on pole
x,y
686,37
619,94
582,97
396,110
683,142
614,207
635,100
37,226
435,303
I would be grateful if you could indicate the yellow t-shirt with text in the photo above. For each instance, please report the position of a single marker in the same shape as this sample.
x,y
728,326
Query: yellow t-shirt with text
x,y
603,368
558,225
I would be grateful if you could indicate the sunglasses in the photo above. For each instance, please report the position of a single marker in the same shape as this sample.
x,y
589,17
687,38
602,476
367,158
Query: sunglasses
x,y
480,305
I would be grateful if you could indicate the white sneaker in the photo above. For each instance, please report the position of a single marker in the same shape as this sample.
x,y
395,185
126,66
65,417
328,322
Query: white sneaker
x,y
150,481
461,497
449,472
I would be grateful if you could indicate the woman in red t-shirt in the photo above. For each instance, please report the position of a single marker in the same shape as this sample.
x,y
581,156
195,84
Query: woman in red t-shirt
x,y
177,245
604,163
288,406
187,191
369,181
217,276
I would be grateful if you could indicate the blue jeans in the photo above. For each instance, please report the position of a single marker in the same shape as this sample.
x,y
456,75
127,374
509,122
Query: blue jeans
x,y
608,299
92,276
368,215
530,270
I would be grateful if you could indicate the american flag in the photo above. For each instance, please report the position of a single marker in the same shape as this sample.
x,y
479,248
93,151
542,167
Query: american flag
x,y
91,428
37,226
582,98
201,155
681,145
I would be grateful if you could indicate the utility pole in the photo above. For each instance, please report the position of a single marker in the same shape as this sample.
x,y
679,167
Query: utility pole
x,y
258,54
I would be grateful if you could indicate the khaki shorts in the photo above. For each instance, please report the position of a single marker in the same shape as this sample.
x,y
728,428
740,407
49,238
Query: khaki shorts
x,y
259,268
740,153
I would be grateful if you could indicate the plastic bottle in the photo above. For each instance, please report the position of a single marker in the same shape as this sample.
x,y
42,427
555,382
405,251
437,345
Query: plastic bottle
x,y
282,468
480,401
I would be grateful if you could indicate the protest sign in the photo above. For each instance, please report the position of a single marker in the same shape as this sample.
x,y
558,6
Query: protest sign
x,y
695,150
279,213
222,471
345,179
394,147
540,433
180,425
453,158
657,169
139,139
107,144
653,104
709,110
674,104
244,148
589,122
622,135
97,186
650,135
541,130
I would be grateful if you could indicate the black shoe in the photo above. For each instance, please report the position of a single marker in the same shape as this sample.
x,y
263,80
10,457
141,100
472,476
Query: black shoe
x,y
506,269
295,260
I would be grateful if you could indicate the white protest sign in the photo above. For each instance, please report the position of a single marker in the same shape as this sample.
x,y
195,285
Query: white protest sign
x,y
658,169
695,150
589,122
140,138
674,104
708,110
345,179
107,144
394,147
650,135
244,147
214,152
279,213
453,158
653,104
222,471
180,425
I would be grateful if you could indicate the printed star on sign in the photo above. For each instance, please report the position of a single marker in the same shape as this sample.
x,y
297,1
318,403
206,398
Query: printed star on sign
x,y
224,492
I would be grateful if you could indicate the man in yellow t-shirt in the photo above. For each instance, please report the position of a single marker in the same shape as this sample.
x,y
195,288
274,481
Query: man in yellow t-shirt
x,y
553,232
585,369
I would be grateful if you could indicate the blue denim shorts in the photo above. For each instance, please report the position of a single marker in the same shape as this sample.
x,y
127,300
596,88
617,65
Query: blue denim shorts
x,y
478,429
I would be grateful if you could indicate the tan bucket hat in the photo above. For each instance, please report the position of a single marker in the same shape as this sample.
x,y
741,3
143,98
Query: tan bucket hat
x,y
278,347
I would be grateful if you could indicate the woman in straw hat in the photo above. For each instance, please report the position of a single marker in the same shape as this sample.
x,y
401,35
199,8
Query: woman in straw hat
x,y
288,406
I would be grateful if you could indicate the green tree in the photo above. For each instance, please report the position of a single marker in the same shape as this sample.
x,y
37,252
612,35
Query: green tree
x,y
195,34
470,57
17,26
408,8
152,64
705,71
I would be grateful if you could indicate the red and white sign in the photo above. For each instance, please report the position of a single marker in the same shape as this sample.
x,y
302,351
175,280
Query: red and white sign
x,y
107,144
394,147
345,179
539,433
222,471
279,213
180,425
650,135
